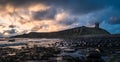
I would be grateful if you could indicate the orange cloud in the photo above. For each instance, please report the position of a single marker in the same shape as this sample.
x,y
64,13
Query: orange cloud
x,y
22,19
38,7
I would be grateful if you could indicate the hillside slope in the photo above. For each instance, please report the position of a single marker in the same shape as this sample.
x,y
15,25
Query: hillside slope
x,y
74,32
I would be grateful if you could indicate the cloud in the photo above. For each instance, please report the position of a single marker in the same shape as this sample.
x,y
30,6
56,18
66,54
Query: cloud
x,y
47,14
114,20
55,15
113,29
74,6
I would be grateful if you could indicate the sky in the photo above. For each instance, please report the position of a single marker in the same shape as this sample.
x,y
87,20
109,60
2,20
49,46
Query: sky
x,y
24,16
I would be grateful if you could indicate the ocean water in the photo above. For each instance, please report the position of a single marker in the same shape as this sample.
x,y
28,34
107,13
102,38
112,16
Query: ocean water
x,y
78,48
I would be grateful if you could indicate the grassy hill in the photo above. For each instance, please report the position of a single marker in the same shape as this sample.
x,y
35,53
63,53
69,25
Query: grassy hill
x,y
74,32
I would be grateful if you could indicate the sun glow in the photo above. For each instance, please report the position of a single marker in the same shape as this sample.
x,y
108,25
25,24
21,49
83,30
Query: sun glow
x,y
22,19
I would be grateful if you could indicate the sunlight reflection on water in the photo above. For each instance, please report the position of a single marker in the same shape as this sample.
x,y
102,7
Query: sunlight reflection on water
x,y
19,42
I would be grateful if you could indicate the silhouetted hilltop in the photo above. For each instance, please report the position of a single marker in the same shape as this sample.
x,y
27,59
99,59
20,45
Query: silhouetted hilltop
x,y
74,32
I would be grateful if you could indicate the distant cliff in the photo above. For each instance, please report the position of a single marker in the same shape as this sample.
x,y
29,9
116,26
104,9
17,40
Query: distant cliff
x,y
74,32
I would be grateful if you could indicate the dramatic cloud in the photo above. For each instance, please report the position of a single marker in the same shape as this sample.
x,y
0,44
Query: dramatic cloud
x,y
47,14
55,15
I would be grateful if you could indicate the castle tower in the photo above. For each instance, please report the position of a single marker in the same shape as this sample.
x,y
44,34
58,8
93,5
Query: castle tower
x,y
96,25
